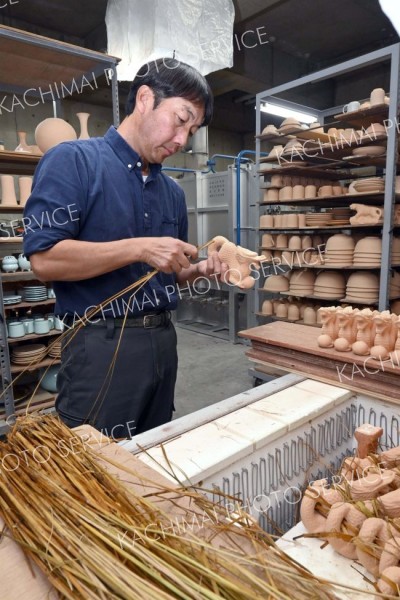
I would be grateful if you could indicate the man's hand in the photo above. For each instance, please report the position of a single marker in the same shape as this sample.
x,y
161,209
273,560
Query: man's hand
x,y
213,266
167,254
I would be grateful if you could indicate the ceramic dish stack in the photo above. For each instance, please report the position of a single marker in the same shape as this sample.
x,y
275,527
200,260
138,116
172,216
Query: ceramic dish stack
x,y
363,287
289,125
396,251
394,288
330,284
34,293
11,298
302,283
54,350
368,252
276,283
363,186
25,355
339,250
318,219
340,216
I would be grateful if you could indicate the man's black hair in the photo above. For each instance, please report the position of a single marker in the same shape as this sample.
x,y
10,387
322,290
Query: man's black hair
x,y
169,78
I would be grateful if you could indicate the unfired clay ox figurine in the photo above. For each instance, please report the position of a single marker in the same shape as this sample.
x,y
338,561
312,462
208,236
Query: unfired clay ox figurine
x,y
239,260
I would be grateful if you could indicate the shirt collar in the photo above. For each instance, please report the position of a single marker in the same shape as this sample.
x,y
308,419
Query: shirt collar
x,y
126,153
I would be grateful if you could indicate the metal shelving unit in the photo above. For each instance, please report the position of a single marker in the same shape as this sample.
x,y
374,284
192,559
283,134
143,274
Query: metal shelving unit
x,y
38,63
333,116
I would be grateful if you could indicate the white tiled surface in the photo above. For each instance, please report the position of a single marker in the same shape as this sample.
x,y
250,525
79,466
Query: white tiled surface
x,y
205,450
327,564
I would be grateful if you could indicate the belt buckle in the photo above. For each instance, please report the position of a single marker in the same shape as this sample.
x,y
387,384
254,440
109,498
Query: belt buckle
x,y
147,322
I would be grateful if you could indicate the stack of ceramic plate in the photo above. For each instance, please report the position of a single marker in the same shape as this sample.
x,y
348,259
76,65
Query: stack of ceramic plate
x,y
289,125
340,216
396,251
339,250
394,290
330,284
11,298
372,184
24,355
34,293
363,287
55,348
318,219
368,252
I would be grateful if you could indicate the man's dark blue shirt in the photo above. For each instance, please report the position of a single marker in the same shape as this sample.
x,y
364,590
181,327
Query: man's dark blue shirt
x,y
93,191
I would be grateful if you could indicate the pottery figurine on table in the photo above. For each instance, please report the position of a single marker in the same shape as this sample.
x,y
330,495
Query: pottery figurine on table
x,y
365,332
385,335
330,325
239,260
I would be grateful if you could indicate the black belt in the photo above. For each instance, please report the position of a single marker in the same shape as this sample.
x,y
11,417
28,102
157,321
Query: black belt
x,y
148,321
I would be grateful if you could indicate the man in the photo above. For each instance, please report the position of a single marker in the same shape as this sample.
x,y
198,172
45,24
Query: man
x,y
111,217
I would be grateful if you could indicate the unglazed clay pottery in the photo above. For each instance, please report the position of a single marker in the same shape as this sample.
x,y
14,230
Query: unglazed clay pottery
x,y
293,312
377,96
25,188
267,307
240,261
83,122
266,221
53,131
277,283
366,215
294,242
269,129
324,341
369,151
8,196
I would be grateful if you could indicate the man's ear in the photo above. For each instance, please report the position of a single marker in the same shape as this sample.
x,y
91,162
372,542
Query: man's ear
x,y
144,99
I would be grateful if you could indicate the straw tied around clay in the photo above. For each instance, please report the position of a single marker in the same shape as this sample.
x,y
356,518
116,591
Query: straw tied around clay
x,y
96,539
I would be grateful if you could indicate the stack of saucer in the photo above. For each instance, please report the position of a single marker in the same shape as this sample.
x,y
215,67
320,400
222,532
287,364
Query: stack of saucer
x,y
368,252
24,355
339,250
289,125
55,348
341,216
318,219
330,284
11,298
372,184
363,287
34,293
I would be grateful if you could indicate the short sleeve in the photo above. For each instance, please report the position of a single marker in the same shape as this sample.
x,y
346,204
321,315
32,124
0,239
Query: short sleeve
x,y
56,207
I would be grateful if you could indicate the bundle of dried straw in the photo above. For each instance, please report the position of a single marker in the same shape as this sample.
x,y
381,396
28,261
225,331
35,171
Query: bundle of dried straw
x,y
76,521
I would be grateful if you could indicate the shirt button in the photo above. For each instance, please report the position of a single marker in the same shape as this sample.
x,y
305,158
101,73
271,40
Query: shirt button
x,y
129,166
139,164
146,215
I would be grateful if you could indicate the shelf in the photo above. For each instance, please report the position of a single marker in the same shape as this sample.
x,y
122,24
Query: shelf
x,y
305,171
10,209
19,276
33,336
330,201
286,320
11,240
17,163
47,362
42,400
48,302
364,118
319,228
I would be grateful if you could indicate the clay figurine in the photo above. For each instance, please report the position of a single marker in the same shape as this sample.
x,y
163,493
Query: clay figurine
x,y
367,437
239,260
366,215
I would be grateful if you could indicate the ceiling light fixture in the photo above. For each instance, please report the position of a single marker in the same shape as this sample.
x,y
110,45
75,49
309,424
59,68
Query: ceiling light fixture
x,y
282,111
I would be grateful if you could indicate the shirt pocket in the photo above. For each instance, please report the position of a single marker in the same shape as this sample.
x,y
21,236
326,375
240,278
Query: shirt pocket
x,y
169,227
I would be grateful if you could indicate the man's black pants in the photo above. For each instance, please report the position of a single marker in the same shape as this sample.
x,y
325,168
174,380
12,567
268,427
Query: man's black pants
x,y
138,395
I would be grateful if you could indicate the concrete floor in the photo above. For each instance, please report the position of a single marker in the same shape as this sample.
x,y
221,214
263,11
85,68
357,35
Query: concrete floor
x,y
210,370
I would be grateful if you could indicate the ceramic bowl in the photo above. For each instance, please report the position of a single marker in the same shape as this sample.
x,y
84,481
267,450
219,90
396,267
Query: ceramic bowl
x,y
331,279
369,245
360,279
303,278
49,380
277,283
340,242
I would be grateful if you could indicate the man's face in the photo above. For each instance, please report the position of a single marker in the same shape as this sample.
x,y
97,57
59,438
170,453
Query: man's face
x,y
166,129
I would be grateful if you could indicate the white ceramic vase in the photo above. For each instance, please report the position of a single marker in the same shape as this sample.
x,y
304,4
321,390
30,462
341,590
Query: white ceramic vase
x,y
23,145
8,196
83,122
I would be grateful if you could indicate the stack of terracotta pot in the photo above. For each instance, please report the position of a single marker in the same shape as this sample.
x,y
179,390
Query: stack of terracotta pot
x,y
359,516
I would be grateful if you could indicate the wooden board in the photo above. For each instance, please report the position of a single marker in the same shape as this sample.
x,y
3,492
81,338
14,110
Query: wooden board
x,y
294,347
21,580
